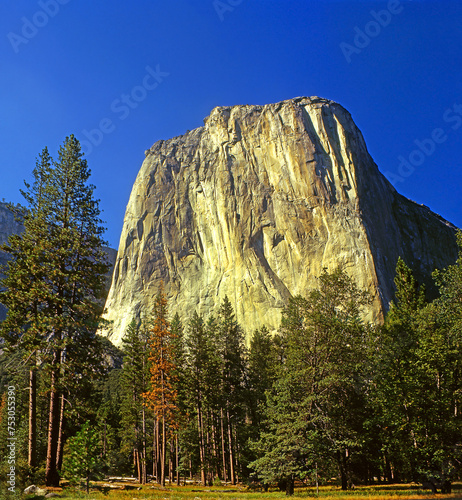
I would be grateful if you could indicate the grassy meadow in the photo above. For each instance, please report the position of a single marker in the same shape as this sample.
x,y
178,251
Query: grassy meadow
x,y
197,492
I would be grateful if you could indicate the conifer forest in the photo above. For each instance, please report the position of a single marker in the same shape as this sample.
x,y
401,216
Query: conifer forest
x,y
326,396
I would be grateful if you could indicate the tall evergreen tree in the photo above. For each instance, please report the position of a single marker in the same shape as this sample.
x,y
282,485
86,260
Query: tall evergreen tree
x,y
135,376
25,287
449,282
55,278
232,350
397,377
262,373
179,384
198,366
439,331
416,379
162,396
409,295
315,411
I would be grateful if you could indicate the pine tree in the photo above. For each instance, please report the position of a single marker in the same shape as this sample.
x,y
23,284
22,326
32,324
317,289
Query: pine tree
x,y
135,374
83,457
436,370
162,396
315,408
397,376
54,280
179,384
198,364
232,350
202,435
449,282
26,290
416,379
262,373
409,295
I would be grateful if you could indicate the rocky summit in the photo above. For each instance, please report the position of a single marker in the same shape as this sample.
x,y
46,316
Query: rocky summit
x,y
253,205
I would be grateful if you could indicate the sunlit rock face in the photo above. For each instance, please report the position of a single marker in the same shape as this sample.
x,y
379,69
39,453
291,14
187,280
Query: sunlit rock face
x,y
253,205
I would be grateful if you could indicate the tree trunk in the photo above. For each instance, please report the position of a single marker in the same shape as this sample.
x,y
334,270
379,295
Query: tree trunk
x,y
156,452
143,463
225,477
290,486
144,474
200,431
170,463
51,471
317,480
343,469
138,464
209,454
104,441
237,454
162,463
59,452
32,461
388,471
177,461
216,454
230,447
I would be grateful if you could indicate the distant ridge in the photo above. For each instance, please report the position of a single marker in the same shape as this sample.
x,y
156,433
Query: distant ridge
x,y
9,226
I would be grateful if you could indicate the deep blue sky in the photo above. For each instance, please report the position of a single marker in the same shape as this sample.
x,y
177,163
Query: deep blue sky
x,y
68,71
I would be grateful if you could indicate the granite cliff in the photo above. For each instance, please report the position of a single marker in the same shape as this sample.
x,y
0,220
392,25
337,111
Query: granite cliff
x,y
253,205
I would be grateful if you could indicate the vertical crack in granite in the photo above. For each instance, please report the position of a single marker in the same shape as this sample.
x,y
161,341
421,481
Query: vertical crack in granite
x,y
253,205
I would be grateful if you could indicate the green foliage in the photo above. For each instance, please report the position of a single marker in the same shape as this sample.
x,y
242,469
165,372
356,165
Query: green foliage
x,y
410,296
417,378
53,286
201,394
134,382
82,459
108,417
57,269
262,373
315,410
327,396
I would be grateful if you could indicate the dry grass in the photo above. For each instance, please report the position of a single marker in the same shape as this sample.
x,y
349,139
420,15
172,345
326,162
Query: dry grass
x,y
155,492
